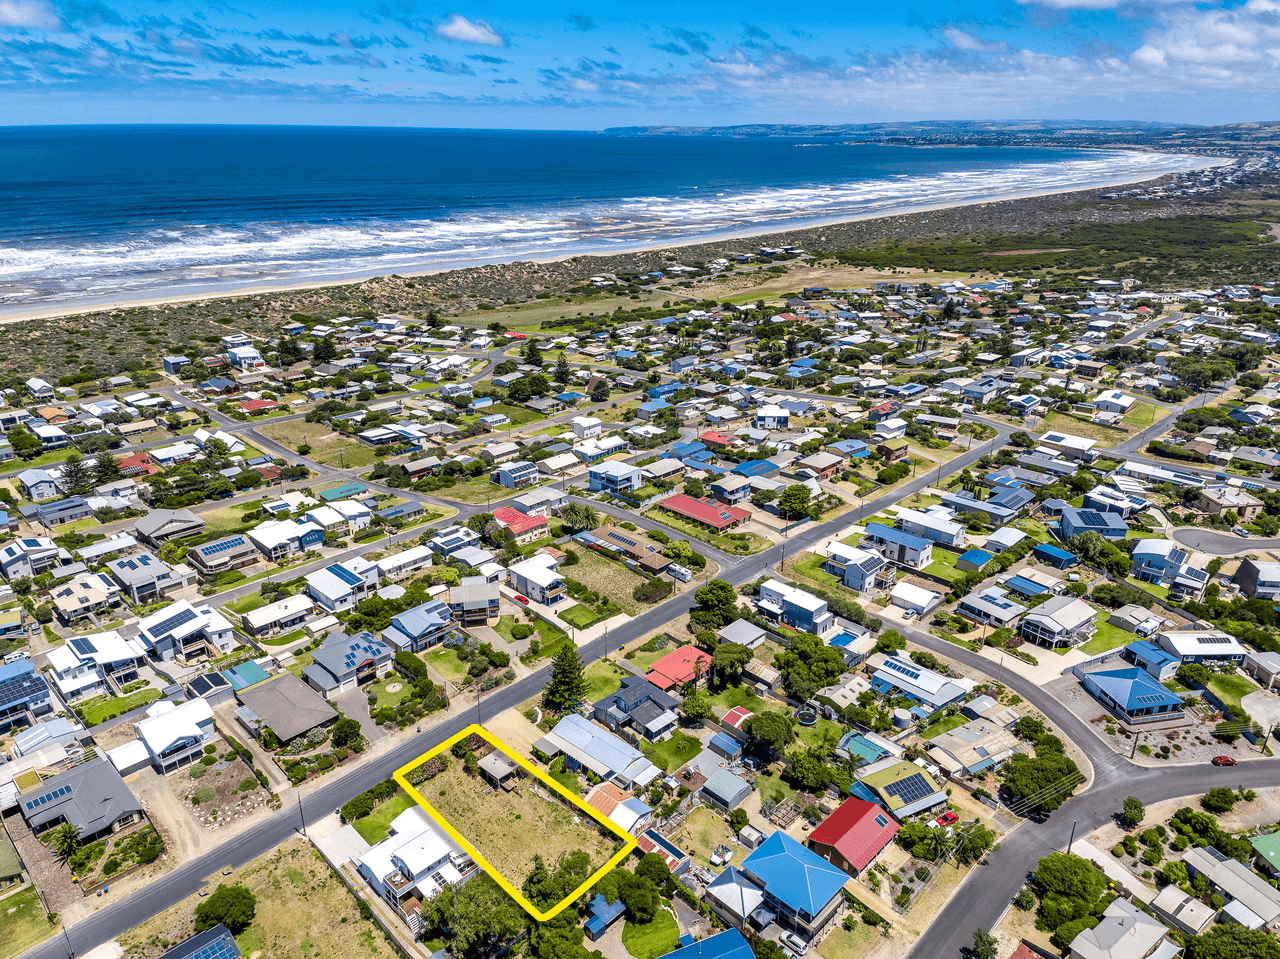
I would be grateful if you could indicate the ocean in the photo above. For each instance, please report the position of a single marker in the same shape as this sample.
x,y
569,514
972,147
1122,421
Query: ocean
x,y
109,214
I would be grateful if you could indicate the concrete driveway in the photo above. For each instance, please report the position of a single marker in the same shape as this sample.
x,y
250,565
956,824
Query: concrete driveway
x,y
355,705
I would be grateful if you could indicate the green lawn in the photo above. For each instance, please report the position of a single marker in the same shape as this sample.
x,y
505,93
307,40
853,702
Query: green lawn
x,y
1141,416
518,415
581,616
672,753
247,604
284,639
810,735
773,788
944,725
373,827
944,566
1108,636
723,542
653,939
1151,588
1231,688
385,698
100,709
446,663
810,567
301,661
602,678
547,632
733,696
23,922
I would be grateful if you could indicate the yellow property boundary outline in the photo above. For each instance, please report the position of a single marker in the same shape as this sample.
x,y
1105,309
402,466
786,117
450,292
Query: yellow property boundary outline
x,y
629,841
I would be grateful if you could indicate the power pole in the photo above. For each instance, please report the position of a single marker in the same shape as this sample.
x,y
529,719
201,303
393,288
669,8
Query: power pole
x,y
1072,840
301,818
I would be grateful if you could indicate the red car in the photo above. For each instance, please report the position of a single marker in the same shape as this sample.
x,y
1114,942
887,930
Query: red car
x,y
948,819
1223,761
522,599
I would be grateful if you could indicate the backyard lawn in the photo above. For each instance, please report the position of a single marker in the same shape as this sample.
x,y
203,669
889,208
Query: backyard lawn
x,y
701,832
284,639
773,788
944,725
518,415
653,939
104,707
672,753
1151,588
1231,687
732,696
944,566
548,633
1108,636
809,565
811,735
385,698
446,663
373,827
1105,435
603,678
22,922
1140,416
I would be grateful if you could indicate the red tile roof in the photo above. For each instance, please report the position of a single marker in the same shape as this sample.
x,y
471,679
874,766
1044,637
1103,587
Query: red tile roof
x,y
853,831
704,511
250,405
737,716
517,521
137,463
678,667
718,438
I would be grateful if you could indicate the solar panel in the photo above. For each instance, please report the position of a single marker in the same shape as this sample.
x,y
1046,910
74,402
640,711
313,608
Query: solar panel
x,y
1092,518
83,647
899,667
221,546
1214,640
881,821
173,622
344,574
913,788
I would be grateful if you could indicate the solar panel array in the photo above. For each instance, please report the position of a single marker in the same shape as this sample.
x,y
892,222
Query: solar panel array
x,y
1151,698
20,688
221,546
911,789
1214,640
224,947
621,539
881,820
83,646
900,667
48,797
344,574
1092,518
180,618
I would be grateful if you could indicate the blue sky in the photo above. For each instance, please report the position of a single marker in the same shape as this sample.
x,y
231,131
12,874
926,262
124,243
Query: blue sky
x,y
561,64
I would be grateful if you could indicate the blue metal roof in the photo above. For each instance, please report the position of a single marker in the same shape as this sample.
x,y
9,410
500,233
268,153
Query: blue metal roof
x,y
755,468
245,675
1048,549
726,744
795,876
1026,587
729,944
891,535
975,556
1152,653
1133,688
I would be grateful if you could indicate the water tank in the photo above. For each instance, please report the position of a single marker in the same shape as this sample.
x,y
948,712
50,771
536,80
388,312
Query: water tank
x,y
902,718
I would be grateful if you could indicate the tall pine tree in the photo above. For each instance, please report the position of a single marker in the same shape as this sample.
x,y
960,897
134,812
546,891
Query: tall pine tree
x,y
568,682
562,372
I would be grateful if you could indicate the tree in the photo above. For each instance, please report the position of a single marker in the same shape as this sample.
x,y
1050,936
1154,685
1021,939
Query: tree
x,y
1070,888
653,868
76,475
346,731
728,659
1022,439
1133,813
324,351
692,487
770,733
580,516
24,443
717,605
696,706
985,945
568,683
107,468
600,392
230,906
794,501
807,665
1232,941
480,913
811,773
762,498
66,840
562,372
640,896
1219,799
532,355
739,819
974,843
1042,780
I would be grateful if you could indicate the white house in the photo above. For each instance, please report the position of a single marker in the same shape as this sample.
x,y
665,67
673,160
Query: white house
x,y
171,736
184,632
890,429
586,427
772,418
342,585
88,665
538,579
934,524
1113,401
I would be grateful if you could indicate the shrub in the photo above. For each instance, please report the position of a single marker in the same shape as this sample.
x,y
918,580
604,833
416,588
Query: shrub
x,y
230,906
208,760
198,771
521,631
111,866
248,783
204,794
1219,799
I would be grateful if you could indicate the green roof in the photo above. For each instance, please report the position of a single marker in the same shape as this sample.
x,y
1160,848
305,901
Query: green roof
x,y
1268,849
878,781
894,444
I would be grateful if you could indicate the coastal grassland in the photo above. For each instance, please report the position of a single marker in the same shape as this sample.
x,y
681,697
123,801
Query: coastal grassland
x,y
302,910
525,317
327,446
1191,247
1105,435
608,578
511,828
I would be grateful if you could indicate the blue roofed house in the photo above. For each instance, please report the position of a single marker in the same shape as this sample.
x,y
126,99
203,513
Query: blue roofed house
x,y
24,693
38,484
346,662
729,944
1160,664
898,546
601,914
1109,525
1133,695
647,411
972,560
419,628
516,475
802,890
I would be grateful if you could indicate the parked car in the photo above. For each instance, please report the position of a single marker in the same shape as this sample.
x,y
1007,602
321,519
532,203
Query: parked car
x,y
948,818
794,943
1223,761
1240,531
522,599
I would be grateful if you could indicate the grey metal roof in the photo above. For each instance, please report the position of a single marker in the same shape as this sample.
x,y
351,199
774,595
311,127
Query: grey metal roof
x,y
91,796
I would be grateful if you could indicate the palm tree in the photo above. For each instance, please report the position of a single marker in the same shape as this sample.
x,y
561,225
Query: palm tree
x,y
66,840
581,516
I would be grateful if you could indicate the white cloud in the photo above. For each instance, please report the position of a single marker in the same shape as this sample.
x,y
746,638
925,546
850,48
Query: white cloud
x,y
968,41
36,14
459,28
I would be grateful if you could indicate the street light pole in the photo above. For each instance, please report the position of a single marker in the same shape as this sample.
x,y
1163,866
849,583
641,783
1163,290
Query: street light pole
x,y
1072,840
301,818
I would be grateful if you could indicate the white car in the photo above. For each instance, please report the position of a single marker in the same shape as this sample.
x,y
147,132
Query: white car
x,y
794,943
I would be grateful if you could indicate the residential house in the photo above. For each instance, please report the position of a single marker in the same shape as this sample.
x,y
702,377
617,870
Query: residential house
x,y
1132,695
542,502
92,797
277,617
419,628
474,602
802,890
676,669
991,607
277,540
1201,646
898,546
1060,621
1251,900
857,568
587,747
83,595
344,662
170,737
516,475
185,632
223,555
24,693
1108,525
1258,580
38,484
340,586
614,478
795,607
1218,500
519,527
31,556
146,578
95,664
712,515
1125,932
640,706
731,488
899,676
162,525
852,836
537,578
934,524
286,705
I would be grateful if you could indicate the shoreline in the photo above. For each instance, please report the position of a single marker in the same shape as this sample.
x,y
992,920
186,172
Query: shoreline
x,y
732,234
